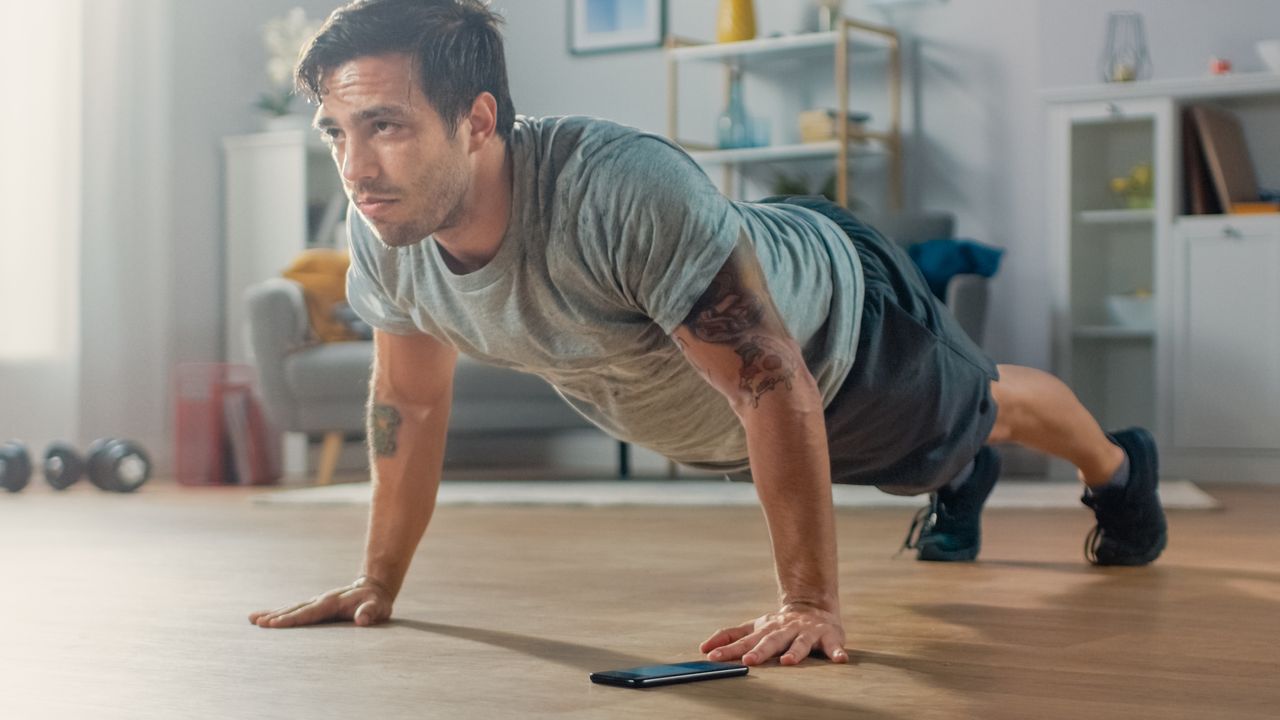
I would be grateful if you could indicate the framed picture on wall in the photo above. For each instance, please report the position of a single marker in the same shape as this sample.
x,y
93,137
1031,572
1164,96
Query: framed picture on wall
x,y
608,25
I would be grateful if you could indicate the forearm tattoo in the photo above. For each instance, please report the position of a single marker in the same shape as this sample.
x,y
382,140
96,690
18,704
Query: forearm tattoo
x,y
384,428
730,313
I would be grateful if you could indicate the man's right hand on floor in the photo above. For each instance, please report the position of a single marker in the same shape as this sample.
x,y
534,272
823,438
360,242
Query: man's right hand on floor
x,y
365,601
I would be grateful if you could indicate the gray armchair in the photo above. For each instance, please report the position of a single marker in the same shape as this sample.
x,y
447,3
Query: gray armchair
x,y
966,294
311,388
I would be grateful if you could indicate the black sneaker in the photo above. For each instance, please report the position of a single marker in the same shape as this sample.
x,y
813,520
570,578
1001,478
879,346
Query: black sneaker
x,y
951,526
1131,528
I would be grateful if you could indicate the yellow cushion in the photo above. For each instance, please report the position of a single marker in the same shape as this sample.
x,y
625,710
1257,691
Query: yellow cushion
x,y
322,273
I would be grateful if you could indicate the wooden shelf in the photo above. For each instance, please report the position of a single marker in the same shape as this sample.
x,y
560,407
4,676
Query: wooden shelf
x,y
1117,217
765,52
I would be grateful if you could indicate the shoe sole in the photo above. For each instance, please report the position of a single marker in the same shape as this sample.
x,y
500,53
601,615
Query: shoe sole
x,y
1145,559
929,553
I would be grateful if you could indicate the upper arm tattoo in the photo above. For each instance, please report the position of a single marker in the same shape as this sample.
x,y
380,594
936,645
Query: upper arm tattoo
x,y
384,428
726,310
735,311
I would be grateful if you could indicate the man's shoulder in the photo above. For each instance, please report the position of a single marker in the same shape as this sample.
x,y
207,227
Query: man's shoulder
x,y
583,140
572,127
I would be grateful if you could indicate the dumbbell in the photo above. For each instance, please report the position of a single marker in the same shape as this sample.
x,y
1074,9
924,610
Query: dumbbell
x,y
113,465
62,466
15,466
118,465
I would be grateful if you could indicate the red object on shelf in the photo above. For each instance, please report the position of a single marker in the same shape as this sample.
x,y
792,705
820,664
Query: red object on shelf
x,y
200,451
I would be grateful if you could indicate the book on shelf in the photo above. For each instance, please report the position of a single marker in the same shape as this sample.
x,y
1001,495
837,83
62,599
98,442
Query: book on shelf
x,y
1199,196
1219,172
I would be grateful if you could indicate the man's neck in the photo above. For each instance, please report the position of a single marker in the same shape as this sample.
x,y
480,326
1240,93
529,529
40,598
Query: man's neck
x,y
486,212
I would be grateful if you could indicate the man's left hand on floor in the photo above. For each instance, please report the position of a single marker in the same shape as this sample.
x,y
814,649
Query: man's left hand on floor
x,y
793,632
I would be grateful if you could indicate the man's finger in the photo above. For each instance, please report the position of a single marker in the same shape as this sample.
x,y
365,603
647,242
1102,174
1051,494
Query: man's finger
x,y
367,614
283,609
798,651
265,618
834,650
311,613
769,646
724,636
735,650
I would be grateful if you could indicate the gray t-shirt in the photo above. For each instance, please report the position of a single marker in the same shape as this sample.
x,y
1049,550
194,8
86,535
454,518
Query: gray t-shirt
x,y
614,234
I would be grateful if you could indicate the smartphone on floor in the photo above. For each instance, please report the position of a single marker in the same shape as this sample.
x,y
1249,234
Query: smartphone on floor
x,y
655,675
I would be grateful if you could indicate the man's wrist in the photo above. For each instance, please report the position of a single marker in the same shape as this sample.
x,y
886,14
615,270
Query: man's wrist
x,y
828,604
367,580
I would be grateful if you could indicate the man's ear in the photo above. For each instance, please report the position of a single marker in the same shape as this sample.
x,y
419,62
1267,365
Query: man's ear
x,y
482,121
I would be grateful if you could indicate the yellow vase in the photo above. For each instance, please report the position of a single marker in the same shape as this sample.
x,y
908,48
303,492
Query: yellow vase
x,y
737,21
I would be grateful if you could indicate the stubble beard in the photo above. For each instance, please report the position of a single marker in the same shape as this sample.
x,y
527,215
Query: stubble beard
x,y
444,211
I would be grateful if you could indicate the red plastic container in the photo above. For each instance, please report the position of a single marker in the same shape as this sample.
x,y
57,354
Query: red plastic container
x,y
201,450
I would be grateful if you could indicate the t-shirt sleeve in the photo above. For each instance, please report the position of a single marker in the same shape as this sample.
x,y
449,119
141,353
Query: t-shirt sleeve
x,y
664,228
373,270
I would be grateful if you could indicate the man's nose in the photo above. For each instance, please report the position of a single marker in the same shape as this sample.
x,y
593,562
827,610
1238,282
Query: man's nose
x,y
358,162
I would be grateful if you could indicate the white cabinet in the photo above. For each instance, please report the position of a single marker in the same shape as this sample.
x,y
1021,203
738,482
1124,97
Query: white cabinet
x,y
1202,370
1107,252
1226,339
279,186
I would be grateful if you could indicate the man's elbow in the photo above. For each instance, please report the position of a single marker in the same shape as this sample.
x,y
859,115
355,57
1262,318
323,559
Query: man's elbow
x,y
773,388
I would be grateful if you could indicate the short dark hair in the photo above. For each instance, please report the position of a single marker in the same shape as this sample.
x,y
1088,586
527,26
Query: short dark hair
x,y
455,45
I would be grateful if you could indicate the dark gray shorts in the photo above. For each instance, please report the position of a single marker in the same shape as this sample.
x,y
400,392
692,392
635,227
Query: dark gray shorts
x,y
916,406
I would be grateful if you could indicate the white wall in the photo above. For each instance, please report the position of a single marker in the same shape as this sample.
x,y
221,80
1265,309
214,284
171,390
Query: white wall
x,y
1181,35
975,150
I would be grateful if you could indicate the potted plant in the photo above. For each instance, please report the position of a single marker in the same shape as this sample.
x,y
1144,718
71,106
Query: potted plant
x,y
283,38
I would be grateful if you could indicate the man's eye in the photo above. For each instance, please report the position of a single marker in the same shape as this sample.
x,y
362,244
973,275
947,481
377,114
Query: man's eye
x,y
383,126
330,135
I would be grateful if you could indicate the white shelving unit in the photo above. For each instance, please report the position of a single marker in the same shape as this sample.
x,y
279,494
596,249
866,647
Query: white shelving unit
x,y
275,184
1166,377
854,41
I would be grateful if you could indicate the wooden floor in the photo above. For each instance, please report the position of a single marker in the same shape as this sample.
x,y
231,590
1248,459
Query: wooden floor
x,y
134,607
